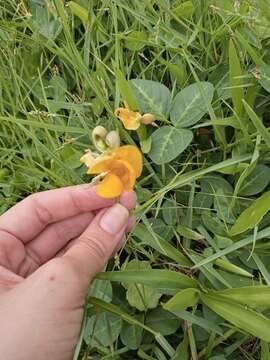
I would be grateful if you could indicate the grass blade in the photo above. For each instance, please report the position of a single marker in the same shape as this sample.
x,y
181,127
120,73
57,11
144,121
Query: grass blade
x,y
169,282
248,320
238,245
257,122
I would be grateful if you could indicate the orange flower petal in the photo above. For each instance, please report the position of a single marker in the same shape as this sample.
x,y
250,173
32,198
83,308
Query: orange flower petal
x,y
121,166
132,155
110,187
125,172
102,164
129,118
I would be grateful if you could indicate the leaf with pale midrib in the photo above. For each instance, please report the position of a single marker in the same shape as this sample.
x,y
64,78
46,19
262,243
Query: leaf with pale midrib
x,y
153,97
191,104
256,181
168,142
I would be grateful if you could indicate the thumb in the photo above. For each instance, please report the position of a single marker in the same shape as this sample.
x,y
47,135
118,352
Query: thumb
x,y
96,245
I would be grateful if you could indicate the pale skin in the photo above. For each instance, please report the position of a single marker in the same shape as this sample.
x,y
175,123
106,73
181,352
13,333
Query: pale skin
x,y
52,244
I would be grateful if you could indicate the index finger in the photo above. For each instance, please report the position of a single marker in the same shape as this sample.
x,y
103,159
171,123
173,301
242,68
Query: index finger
x,y
30,216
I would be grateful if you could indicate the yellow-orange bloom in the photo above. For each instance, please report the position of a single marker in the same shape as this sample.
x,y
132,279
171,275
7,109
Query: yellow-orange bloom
x,y
120,166
130,119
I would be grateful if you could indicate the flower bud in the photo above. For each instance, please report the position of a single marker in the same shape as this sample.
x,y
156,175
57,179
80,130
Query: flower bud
x,y
147,119
98,136
113,139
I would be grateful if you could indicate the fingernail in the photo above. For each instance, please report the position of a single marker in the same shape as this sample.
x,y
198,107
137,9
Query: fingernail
x,y
114,219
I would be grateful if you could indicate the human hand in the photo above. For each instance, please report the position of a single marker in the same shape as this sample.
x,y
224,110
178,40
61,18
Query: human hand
x,y
51,245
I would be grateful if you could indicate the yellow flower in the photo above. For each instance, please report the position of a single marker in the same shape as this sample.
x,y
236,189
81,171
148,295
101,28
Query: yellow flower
x,y
130,119
120,166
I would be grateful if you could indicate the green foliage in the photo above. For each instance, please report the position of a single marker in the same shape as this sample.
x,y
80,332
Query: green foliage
x,y
256,181
141,297
136,40
102,329
191,104
153,97
252,216
163,149
182,300
131,334
162,321
240,316
126,90
193,278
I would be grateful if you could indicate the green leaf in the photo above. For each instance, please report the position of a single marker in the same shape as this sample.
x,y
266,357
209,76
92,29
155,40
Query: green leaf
x,y
249,49
248,320
252,216
79,11
126,317
262,267
164,281
102,329
224,5
265,354
131,334
236,81
159,244
264,6
140,296
169,212
228,266
222,202
178,71
183,300
162,321
153,97
237,245
203,200
253,296
188,233
205,324
229,121
213,224
182,351
43,125
169,142
136,40
146,145
257,122
222,241
264,76
256,182
101,289
126,90
214,182
191,104
162,229
116,310
70,157
192,175
183,10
